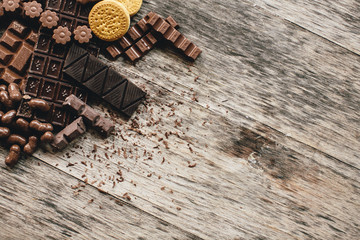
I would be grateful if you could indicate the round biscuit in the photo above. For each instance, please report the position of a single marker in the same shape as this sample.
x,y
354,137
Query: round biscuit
x,y
109,20
133,6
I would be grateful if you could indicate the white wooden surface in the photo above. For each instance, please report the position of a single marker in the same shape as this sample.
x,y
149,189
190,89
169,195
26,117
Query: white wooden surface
x,y
258,139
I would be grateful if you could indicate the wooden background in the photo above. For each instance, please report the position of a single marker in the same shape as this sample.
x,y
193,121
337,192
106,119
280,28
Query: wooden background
x,y
258,139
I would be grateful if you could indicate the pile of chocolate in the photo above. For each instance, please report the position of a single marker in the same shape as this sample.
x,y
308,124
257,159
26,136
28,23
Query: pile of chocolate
x,y
46,76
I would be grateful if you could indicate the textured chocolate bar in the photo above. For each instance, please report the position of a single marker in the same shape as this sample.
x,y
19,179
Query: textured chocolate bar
x,y
137,33
102,80
171,34
46,80
143,46
16,47
101,124
69,133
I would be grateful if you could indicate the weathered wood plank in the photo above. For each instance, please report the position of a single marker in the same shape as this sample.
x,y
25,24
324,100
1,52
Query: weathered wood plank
x,y
276,152
336,20
264,68
38,201
245,184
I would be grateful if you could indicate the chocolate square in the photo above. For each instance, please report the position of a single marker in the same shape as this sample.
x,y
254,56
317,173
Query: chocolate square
x,y
38,64
69,7
81,94
59,115
64,90
32,86
24,109
66,21
48,89
54,68
53,5
58,50
43,44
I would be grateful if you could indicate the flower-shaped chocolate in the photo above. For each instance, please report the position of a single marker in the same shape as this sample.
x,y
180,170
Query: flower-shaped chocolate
x,y
49,19
82,34
1,10
62,35
10,5
32,9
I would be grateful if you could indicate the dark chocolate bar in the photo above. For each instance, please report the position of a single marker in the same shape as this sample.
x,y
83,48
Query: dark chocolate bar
x,y
102,80
140,32
16,47
171,34
101,124
46,80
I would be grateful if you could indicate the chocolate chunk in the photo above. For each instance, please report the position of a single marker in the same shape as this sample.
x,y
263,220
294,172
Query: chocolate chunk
x,y
143,46
24,109
171,34
104,126
139,35
107,84
16,47
100,124
68,134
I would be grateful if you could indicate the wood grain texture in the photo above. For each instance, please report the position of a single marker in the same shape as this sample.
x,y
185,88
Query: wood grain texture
x,y
258,139
267,69
41,202
336,20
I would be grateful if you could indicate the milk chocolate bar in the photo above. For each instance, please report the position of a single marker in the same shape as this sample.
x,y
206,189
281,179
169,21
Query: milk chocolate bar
x,y
16,47
137,33
171,34
143,46
101,124
69,133
102,80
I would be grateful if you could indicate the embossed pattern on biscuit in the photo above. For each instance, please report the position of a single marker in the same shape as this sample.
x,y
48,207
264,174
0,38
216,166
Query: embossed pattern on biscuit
x,y
109,20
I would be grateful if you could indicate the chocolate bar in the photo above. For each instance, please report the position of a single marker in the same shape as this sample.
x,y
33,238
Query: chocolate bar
x,y
143,46
16,47
101,124
137,33
171,34
69,133
102,80
46,80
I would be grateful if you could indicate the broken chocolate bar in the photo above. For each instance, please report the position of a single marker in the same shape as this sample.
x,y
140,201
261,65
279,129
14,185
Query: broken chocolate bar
x,y
68,134
101,124
171,34
102,80
138,39
16,47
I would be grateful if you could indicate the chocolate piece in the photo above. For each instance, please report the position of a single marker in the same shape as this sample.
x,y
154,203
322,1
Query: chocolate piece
x,y
136,33
101,124
102,80
49,19
68,134
62,35
174,36
24,109
143,46
82,34
16,47
46,79
11,5
32,9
